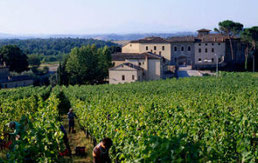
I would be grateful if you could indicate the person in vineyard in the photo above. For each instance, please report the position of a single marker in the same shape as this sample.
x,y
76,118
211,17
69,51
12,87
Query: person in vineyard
x,y
17,130
66,141
100,152
71,116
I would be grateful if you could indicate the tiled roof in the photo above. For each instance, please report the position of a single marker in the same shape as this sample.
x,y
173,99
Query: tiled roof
x,y
181,39
216,37
129,65
20,78
124,56
212,38
150,40
16,78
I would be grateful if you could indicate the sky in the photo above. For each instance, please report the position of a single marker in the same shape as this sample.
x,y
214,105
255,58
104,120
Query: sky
x,y
121,16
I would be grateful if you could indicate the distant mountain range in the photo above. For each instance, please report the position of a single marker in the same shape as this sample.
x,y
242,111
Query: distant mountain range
x,y
105,37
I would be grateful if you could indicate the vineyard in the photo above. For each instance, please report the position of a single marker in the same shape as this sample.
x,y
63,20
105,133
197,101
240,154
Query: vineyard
x,y
37,111
186,120
193,119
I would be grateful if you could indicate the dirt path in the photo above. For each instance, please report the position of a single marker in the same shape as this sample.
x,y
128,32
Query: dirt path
x,y
78,139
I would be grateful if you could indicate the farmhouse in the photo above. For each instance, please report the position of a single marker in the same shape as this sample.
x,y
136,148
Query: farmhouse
x,y
155,45
200,52
204,50
7,81
130,67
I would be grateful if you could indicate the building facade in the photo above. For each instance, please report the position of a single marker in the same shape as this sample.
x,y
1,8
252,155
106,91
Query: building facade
x,y
205,50
182,50
7,81
152,66
155,45
156,55
125,73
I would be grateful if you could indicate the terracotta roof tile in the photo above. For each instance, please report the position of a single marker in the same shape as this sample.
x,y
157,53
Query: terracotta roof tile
x,y
150,40
181,39
124,56
129,65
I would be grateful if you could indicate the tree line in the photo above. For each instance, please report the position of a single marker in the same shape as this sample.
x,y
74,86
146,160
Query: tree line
x,y
249,36
53,46
87,64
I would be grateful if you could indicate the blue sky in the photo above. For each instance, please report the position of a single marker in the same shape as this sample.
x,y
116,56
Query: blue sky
x,y
121,16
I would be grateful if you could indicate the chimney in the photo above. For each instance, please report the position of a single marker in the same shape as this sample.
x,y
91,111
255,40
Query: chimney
x,y
146,66
203,32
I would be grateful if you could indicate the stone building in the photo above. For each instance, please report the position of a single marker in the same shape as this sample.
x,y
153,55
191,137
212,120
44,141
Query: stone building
x,y
127,64
7,81
125,73
182,50
155,45
156,55
205,50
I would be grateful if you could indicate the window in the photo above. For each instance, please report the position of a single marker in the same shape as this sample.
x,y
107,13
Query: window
x,y
182,49
130,45
151,50
200,50
206,50
123,77
200,44
155,48
175,48
218,43
154,52
147,48
189,48
139,63
212,59
160,53
212,44
199,60
132,77
175,59
163,47
206,44
212,50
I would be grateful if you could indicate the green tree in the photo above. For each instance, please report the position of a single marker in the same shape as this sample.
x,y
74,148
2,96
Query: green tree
x,y
82,65
34,60
230,29
250,37
86,65
104,63
14,58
